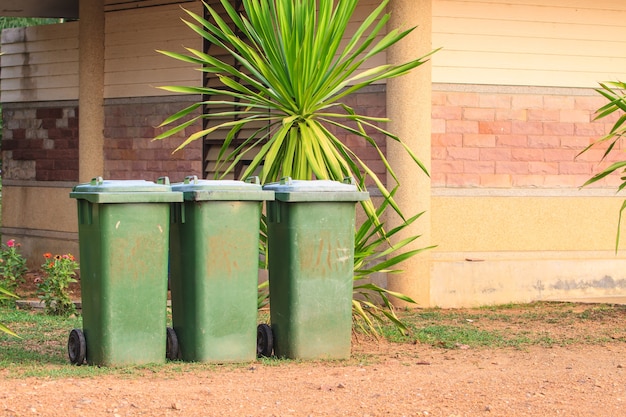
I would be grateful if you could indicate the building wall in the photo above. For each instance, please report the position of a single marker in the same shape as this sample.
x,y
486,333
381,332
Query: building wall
x,y
39,63
40,142
513,105
529,42
520,137
130,151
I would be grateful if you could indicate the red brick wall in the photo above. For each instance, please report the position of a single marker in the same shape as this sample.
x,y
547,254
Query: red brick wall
x,y
130,151
479,139
369,101
40,143
483,139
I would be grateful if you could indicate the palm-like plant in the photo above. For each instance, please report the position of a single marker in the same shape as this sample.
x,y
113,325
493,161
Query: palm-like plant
x,y
294,75
615,93
294,67
4,294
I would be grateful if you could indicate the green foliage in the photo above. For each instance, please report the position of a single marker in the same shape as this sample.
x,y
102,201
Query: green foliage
x,y
295,73
374,254
18,22
292,72
59,272
4,294
12,266
615,93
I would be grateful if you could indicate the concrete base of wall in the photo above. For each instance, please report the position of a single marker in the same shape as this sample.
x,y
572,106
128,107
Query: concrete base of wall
x,y
34,243
490,278
41,217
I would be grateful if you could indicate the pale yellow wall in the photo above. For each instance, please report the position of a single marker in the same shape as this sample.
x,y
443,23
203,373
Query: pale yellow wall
x,y
529,42
525,221
502,246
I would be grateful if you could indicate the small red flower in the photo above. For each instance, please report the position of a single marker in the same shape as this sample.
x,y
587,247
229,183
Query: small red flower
x,y
11,243
47,255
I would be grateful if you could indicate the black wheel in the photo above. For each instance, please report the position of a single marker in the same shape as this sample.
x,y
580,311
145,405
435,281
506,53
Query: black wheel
x,y
264,340
77,347
172,352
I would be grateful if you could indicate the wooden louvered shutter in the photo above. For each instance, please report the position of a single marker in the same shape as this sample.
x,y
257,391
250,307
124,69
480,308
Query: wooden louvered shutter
x,y
213,142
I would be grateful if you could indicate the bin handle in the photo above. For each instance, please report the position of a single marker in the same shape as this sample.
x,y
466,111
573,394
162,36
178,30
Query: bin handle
x,y
96,181
253,180
189,179
285,181
163,180
349,180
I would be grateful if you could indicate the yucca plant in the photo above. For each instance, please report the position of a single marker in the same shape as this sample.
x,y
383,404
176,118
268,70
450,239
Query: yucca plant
x,y
615,93
295,65
374,255
4,294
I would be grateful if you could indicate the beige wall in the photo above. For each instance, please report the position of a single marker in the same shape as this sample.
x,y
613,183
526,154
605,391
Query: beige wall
x,y
497,42
41,217
529,42
39,63
133,68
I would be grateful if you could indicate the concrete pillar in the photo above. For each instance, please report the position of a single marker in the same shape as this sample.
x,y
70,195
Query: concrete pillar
x,y
409,108
91,89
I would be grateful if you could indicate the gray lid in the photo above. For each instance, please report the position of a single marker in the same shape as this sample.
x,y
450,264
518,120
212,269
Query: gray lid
x,y
195,189
99,190
316,190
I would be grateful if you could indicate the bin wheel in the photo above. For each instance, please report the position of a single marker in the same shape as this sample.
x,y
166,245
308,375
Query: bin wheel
x,y
172,350
77,347
264,340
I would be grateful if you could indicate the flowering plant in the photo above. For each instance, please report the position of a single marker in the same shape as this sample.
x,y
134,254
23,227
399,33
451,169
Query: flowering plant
x,y
59,272
12,266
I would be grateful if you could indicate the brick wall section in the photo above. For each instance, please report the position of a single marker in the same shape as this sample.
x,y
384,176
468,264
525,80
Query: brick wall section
x,y
40,143
479,139
369,101
130,151
516,140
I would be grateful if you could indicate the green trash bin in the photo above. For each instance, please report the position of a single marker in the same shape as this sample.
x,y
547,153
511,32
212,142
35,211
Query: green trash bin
x,y
214,261
123,232
310,228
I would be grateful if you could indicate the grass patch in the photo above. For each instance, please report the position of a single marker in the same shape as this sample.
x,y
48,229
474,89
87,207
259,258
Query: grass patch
x,y
41,351
513,325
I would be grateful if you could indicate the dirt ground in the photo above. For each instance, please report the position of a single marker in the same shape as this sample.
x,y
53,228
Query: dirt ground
x,y
381,379
396,380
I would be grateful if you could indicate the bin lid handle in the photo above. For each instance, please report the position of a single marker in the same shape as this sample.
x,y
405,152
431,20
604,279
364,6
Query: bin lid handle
x,y
253,180
96,181
191,179
163,180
